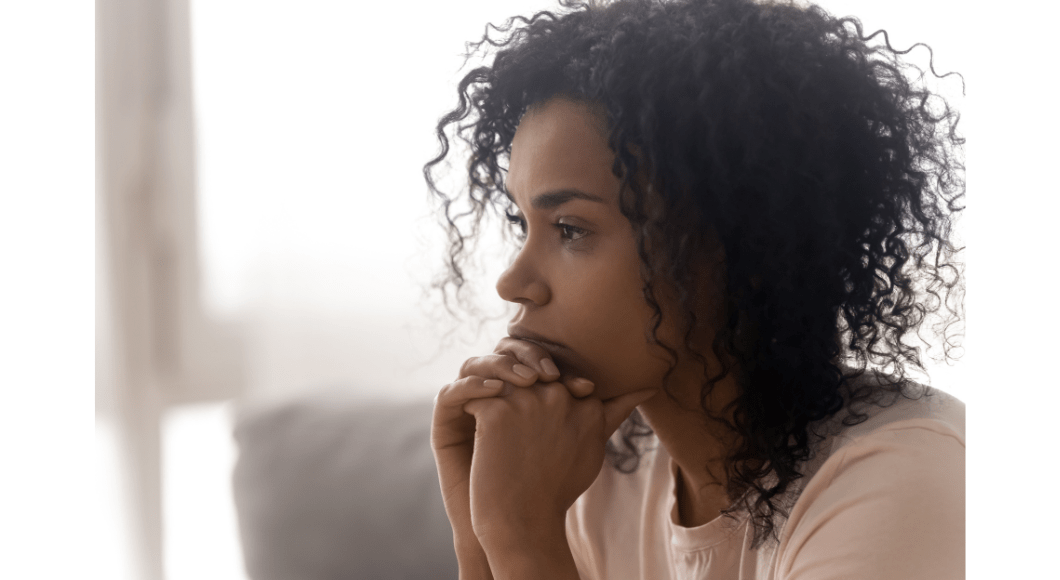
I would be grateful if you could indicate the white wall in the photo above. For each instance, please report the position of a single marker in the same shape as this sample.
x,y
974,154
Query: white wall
x,y
314,122
46,290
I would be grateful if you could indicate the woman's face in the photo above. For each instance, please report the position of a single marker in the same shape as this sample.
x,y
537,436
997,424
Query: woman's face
x,y
577,276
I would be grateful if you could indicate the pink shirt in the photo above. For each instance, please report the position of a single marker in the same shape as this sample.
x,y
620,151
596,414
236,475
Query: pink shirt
x,y
883,500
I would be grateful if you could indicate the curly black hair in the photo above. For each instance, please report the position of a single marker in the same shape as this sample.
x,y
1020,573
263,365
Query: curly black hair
x,y
812,153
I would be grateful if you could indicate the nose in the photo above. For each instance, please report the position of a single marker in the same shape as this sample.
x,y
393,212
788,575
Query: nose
x,y
522,283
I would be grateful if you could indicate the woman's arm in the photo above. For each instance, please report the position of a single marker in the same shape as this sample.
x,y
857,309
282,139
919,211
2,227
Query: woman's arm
x,y
452,435
532,553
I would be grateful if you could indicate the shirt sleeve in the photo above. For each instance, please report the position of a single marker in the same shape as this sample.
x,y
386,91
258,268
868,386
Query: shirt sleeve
x,y
887,506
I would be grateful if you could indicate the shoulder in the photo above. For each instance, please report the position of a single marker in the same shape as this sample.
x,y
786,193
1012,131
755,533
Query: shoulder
x,y
887,500
937,409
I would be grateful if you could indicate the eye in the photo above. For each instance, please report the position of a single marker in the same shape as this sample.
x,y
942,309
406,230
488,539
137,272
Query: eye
x,y
571,233
518,223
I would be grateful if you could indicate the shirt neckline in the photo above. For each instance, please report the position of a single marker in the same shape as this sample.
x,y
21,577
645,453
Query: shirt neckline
x,y
702,537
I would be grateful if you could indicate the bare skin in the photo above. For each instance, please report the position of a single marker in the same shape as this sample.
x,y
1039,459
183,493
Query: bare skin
x,y
578,286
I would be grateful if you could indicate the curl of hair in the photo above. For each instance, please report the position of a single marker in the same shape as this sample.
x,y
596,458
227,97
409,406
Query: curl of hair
x,y
802,146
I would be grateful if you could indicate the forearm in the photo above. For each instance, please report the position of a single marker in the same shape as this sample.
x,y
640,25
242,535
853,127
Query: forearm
x,y
470,556
471,559
533,557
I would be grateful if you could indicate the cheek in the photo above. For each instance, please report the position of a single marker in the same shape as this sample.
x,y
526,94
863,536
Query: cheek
x,y
611,318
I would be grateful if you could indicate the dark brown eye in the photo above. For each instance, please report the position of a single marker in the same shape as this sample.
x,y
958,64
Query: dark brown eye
x,y
571,233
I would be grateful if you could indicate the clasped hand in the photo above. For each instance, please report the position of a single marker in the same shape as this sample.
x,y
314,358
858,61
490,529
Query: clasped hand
x,y
521,442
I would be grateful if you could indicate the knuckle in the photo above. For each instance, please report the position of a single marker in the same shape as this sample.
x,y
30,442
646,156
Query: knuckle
x,y
491,362
502,359
457,389
465,368
554,393
520,349
492,410
444,393
519,399
505,345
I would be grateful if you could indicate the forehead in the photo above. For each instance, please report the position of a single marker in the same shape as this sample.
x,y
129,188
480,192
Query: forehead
x,y
560,144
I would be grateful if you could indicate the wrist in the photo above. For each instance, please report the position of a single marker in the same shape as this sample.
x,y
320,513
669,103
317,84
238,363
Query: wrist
x,y
530,552
471,559
511,533
474,569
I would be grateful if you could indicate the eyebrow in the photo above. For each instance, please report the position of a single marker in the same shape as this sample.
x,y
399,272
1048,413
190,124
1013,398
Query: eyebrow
x,y
556,198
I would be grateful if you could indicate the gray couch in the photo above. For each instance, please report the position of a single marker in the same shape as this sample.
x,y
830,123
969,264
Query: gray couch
x,y
333,486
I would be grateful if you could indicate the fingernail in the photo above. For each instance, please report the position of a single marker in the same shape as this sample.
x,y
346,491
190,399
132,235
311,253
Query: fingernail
x,y
492,384
524,371
583,383
549,367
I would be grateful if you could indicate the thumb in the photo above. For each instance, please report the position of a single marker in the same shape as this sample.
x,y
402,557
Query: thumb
x,y
618,409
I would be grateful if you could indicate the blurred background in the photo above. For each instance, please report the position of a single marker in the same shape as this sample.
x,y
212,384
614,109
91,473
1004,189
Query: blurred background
x,y
265,231
262,232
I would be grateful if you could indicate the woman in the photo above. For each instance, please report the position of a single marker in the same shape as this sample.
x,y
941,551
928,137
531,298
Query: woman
x,y
724,209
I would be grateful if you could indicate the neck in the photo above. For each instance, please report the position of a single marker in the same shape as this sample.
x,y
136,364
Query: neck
x,y
697,445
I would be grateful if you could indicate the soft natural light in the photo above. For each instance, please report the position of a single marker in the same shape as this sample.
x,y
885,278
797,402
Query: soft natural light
x,y
313,120
112,533
46,295
201,537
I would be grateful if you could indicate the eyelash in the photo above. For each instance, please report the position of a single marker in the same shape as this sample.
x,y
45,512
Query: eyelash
x,y
568,232
516,220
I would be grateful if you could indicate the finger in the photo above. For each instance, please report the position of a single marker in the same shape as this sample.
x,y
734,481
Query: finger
x,y
618,409
553,394
578,387
453,396
531,355
500,366
477,407
450,425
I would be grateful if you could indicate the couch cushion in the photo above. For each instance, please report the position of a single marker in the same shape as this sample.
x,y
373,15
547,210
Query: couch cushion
x,y
333,486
